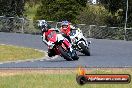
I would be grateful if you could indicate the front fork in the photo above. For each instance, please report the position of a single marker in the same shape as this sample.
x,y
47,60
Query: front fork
x,y
67,44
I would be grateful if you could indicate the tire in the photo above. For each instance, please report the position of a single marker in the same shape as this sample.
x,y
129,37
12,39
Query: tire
x,y
64,54
75,57
81,80
85,49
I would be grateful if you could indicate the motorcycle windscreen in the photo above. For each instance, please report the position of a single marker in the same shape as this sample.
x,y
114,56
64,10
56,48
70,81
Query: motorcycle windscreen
x,y
73,32
52,36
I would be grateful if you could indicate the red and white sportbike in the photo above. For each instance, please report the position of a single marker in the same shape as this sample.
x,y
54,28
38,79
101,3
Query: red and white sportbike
x,y
61,46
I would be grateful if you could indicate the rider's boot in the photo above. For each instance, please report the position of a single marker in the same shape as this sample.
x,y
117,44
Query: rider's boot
x,y
50,53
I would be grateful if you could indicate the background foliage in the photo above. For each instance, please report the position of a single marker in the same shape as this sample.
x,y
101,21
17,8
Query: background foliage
x,y
58,10
110,13
12,7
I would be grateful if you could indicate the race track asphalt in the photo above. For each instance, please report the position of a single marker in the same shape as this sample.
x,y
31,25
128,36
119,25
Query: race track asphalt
x,y
104,53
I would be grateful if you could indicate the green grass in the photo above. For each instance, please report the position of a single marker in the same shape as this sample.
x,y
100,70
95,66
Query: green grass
x,y
53,80
11,53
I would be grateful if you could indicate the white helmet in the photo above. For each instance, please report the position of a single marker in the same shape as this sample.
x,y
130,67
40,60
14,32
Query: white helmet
x,y
43,25
42,22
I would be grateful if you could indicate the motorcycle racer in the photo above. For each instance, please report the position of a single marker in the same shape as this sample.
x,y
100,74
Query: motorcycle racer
x,y
46,30
65,29
47,33
79,42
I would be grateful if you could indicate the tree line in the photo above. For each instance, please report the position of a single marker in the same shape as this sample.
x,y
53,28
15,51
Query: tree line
x,y
107,12
12,7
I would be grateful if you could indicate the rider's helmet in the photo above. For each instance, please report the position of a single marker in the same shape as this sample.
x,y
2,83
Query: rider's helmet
x,y
43,25
65,25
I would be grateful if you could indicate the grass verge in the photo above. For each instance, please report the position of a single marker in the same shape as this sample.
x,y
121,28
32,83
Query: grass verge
x,y
12,53
55,79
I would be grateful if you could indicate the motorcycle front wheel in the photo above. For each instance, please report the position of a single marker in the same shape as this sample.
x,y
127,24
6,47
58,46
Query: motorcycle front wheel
x,y
75,56
64,54
85,49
